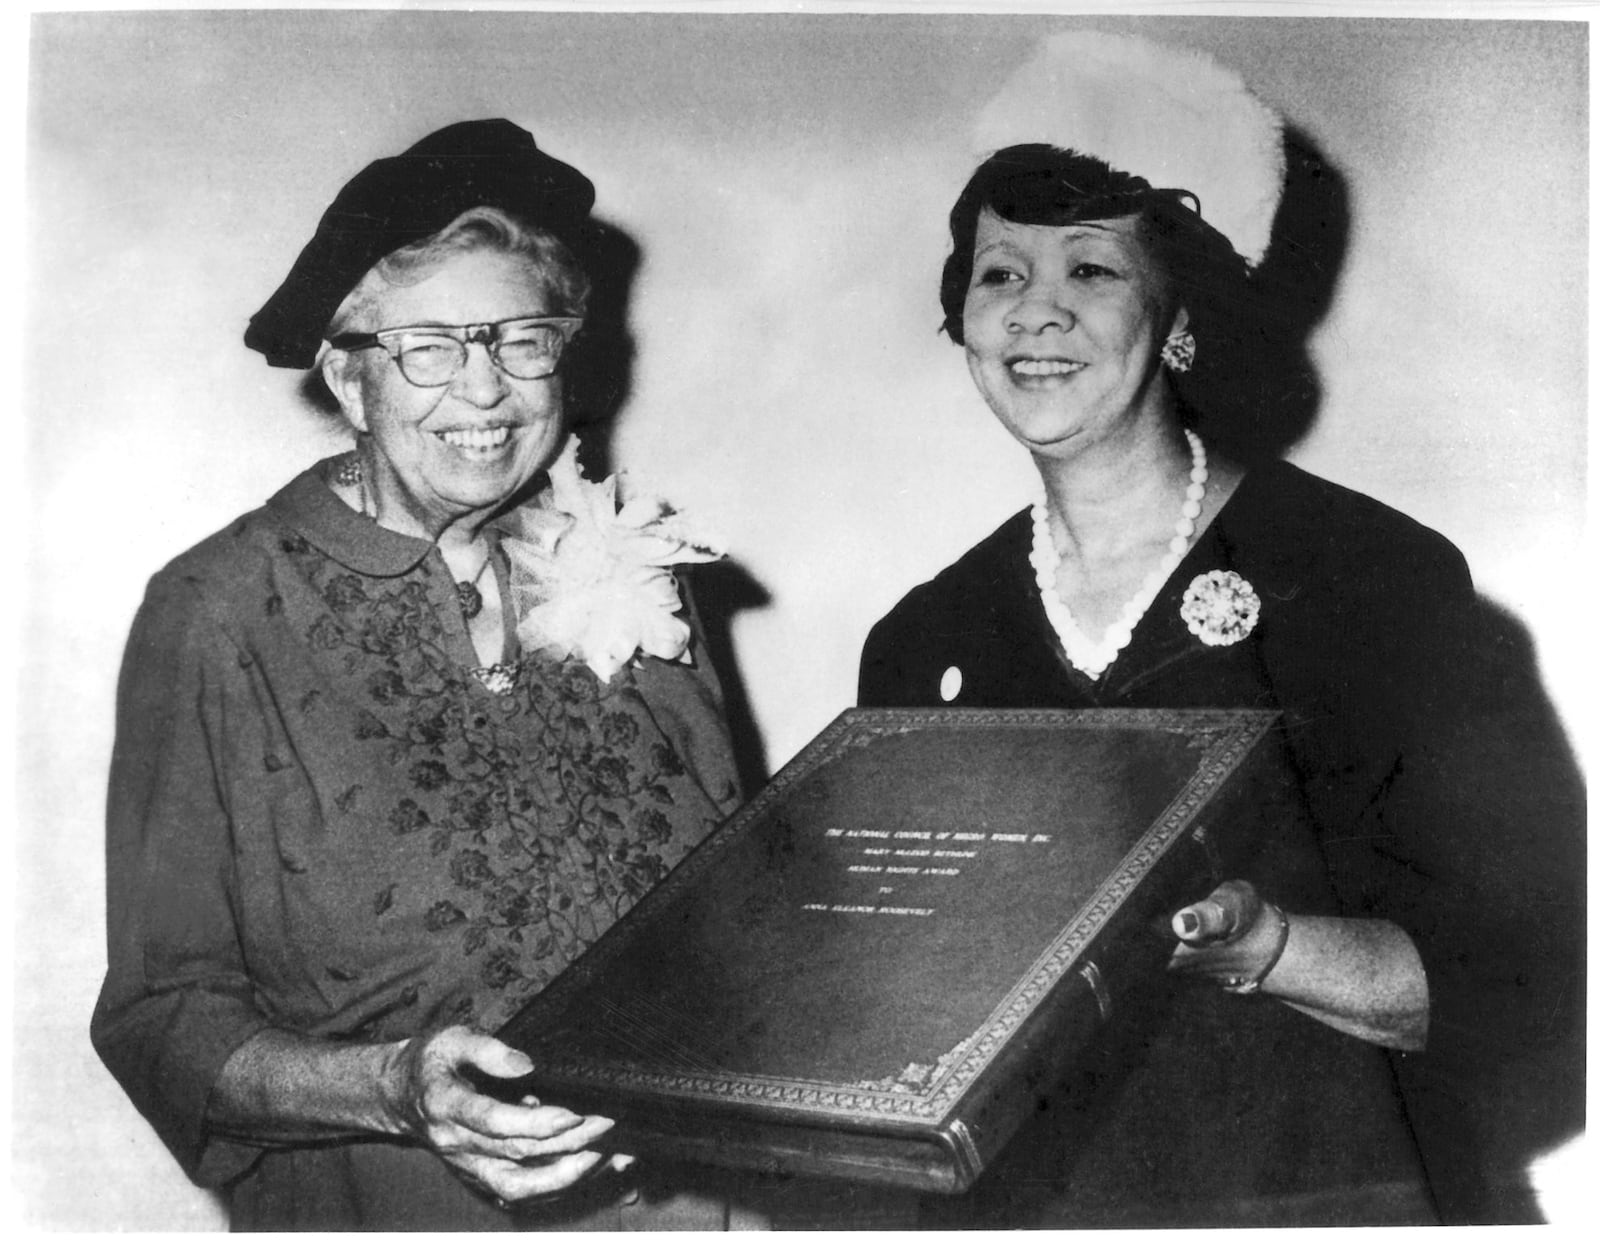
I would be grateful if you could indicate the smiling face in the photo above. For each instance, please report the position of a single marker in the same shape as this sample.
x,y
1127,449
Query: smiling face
x,y
1063,330
441,455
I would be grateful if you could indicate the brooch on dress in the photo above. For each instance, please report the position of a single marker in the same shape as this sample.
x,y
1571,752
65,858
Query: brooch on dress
x,y
592,578
1220,607
498,679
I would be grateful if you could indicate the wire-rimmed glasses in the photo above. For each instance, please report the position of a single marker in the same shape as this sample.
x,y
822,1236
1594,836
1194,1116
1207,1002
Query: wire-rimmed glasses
x,y
430,355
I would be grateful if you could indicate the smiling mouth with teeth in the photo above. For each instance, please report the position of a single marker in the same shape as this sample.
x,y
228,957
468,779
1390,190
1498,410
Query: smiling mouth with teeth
x,y
482,439
1045,366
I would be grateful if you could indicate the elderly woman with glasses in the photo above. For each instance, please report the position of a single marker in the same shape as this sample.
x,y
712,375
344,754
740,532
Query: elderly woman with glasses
x,y
397,746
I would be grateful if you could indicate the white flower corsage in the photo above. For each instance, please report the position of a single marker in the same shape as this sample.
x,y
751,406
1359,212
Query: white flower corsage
x,y
1220,607
593,579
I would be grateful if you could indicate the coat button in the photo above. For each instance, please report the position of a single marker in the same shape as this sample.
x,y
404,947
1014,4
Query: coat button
x,y
950,684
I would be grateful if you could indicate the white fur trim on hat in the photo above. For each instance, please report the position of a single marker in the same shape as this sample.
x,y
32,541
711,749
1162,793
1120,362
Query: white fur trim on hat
x,y
1170,115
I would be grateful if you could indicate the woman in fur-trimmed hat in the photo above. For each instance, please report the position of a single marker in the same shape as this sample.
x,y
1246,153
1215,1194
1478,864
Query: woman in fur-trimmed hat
x,y
1342,1020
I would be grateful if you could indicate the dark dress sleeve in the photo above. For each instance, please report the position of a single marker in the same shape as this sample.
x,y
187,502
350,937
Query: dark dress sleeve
x,y
688,703
882,678
1500,919
1433,773
978,620
177,999
1447,803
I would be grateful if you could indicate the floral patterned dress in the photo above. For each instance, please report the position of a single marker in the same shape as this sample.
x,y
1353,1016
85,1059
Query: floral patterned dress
x,y
325,818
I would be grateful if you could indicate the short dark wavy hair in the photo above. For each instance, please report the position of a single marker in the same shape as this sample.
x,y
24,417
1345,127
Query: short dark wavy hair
x,y
1041,184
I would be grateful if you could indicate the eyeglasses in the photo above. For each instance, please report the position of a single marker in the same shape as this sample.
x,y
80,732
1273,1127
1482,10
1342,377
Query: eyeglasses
x,y
431,355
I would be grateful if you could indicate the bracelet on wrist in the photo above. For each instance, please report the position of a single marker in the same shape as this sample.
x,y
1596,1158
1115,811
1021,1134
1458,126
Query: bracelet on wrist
x,y
1249,986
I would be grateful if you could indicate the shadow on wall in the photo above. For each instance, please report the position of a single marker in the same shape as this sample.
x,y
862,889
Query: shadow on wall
x,y
1257,393
599,377
1549,1091
314,392
722,590
598,369
1516,775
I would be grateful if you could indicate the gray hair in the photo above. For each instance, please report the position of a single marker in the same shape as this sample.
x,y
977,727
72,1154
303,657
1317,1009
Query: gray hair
x,y
482,228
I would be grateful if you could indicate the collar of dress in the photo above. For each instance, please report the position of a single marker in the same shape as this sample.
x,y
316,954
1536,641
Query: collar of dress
x,y
309,506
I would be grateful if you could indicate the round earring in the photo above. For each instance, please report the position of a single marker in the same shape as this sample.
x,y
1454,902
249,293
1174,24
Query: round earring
x,y
1177,353
348,472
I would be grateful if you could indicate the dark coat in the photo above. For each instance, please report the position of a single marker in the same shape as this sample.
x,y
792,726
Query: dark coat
x,y
1434,789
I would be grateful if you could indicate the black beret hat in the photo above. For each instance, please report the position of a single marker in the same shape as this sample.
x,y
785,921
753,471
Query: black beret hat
x,y
393,202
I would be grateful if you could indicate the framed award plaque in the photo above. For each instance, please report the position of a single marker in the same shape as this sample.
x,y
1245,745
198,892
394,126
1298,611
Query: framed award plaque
x,y
876,967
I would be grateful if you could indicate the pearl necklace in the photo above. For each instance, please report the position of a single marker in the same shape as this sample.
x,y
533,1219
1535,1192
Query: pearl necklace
x,y
1093,658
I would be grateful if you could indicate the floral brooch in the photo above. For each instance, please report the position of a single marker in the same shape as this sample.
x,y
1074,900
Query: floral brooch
x,y
1220,607
592,578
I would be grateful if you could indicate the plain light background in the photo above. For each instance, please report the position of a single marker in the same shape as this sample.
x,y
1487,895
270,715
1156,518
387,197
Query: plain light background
x,y
787,180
